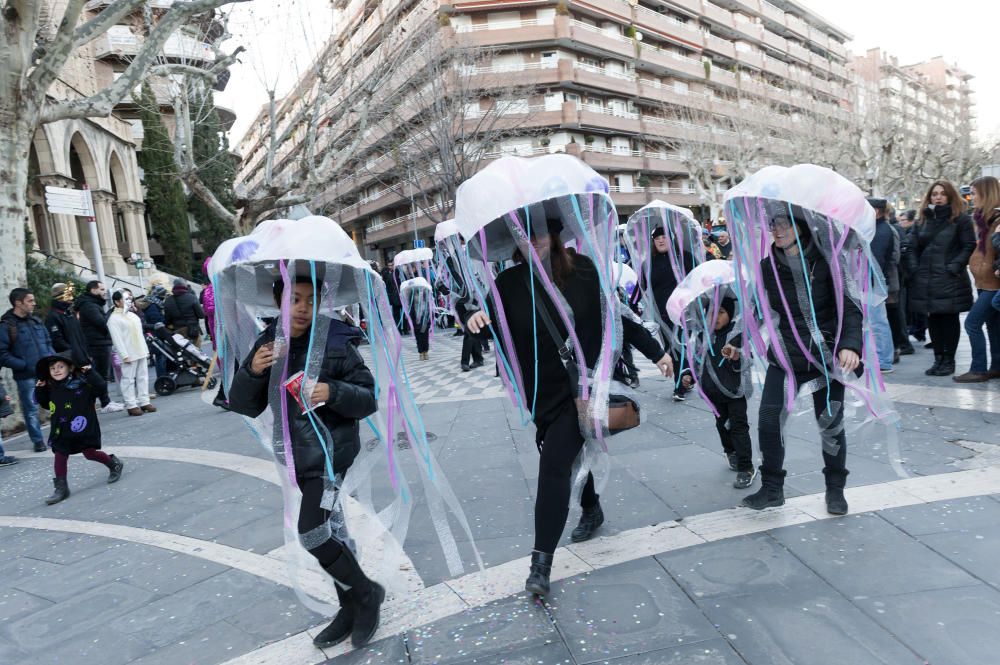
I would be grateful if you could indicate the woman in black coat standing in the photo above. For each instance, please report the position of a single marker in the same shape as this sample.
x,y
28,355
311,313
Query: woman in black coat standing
x,y
939,247
554,411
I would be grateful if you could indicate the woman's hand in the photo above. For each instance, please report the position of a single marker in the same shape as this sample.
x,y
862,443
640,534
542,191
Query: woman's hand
x,y
665,365
263,359
730,352
477,322
320,393
849,360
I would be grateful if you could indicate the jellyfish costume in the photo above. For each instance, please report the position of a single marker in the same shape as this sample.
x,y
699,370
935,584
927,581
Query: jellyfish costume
x,y
418,307
660,273
453,270
805,304
553,310
369,499
410,264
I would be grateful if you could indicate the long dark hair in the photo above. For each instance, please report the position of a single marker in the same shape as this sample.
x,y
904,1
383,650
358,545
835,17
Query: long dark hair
x,y
955,200
561,260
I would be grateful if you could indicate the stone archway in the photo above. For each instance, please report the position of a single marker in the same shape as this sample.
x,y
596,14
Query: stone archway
x,y
42,225
85,171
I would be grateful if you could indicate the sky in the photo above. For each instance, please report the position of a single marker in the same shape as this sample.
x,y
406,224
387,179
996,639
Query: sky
x,y
282,36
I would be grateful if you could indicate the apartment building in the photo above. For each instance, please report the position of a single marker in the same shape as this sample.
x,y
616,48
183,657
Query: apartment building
x,y
100,153
620,84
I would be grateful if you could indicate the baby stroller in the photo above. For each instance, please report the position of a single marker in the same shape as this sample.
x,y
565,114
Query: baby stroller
x,y
186,364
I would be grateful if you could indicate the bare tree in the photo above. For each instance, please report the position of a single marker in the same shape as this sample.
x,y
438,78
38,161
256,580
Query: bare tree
x,y
451,110
31,60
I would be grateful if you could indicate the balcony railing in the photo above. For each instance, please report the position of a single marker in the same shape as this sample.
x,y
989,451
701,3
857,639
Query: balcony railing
x,y
409,218
505,25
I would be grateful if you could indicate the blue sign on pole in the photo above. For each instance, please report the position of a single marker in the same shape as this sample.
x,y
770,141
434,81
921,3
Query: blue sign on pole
x,y
417,244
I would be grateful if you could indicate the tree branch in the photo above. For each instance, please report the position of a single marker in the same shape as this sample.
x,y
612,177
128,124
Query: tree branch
x,y
103,103
111,16
58,51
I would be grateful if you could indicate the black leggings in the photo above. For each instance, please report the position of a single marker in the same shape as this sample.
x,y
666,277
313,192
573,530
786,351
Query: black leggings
x,y
771,441
472,348
734,431
945,333
422,335
560,443
314,532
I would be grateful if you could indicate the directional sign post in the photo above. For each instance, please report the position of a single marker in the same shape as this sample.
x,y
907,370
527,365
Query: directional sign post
x,y
78,202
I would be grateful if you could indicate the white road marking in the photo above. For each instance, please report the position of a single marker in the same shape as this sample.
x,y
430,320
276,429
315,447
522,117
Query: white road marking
x,y
477,589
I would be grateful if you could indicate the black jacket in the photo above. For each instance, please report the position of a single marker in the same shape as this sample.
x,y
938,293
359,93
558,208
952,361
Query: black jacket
x,y
93,320
882,246
74,419
182,309
23,342
67,333
938,256
352,397
583,294
824,299
719,371
661,275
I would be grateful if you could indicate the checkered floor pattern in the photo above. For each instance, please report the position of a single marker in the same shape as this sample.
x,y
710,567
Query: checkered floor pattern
x,y
440,378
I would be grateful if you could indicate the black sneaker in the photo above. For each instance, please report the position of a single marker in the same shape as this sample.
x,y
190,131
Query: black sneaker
x,y
731,457
466,368
907,350
7,460
680,395
40,447
477,363
836,504
765,497
744,479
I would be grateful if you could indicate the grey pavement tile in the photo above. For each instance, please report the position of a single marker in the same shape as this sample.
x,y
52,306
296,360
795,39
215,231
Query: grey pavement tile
x,y
944,626
625,609
863,555
170,574
864,471
79,615
627,504
261,535
10,654
28,542
481,632
216,642
554,653
973,513
100,646
976,551
13,571
15,604
209,523
237,488
75,548
711,652
801,627
737,566
275,617
115,563
184,613
390,651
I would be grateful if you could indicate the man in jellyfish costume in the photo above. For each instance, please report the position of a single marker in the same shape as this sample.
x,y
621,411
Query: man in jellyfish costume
x,y
304,388
664,242
557,323
704,308
808,284
453,266
409,265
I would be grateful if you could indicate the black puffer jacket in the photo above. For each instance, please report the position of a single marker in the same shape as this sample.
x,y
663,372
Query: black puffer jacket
x,y
67,333
182,309
352,397
719,371
94,320
824,299
938,256
661,275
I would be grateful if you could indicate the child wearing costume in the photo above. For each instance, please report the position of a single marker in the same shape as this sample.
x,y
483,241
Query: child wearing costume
x,y
69,393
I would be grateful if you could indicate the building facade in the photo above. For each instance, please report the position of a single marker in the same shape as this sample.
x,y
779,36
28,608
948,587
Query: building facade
x,y
100,153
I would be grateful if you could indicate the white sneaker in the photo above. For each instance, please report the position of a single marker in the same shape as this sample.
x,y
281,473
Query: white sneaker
x,y
113,407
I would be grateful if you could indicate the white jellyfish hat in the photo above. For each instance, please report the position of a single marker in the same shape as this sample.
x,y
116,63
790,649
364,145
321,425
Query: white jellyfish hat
x,y
445,229
244,271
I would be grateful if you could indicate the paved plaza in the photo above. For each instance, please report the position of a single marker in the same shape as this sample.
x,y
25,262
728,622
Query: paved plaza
x,y
183,562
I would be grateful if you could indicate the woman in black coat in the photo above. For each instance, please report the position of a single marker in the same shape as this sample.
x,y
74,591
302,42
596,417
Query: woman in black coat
x,y
552,401
346,388
797,260
939,247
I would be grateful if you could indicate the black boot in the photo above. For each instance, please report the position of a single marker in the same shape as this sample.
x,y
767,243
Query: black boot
x,y
538,578
340,628
771,493
367,596
590,520
40,447
947,366
932,370
61,492
836,480
116,469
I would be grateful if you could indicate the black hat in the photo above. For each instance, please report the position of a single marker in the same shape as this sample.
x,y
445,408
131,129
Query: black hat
x,y
878,204
729,304
43,365
658,231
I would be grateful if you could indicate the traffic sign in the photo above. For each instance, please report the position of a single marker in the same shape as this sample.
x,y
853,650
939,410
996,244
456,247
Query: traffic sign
x,y
66,201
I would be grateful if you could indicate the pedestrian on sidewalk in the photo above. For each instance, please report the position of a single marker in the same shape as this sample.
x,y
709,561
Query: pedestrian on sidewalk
x,y
986,215
91,307
183,312
23,342
130,344
153,309
343,394
885,250
418,308
721,381
5,410
916,323
452,253
944,240
208,305
69,393
525,305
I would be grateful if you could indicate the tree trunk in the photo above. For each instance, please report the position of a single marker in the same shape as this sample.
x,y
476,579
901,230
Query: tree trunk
x,y
13,212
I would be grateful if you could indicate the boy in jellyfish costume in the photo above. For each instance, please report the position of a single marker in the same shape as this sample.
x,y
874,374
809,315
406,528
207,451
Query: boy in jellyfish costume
x,y
557,322
665,244
418,306
293,369
807,285
705,309
453,268
411,264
